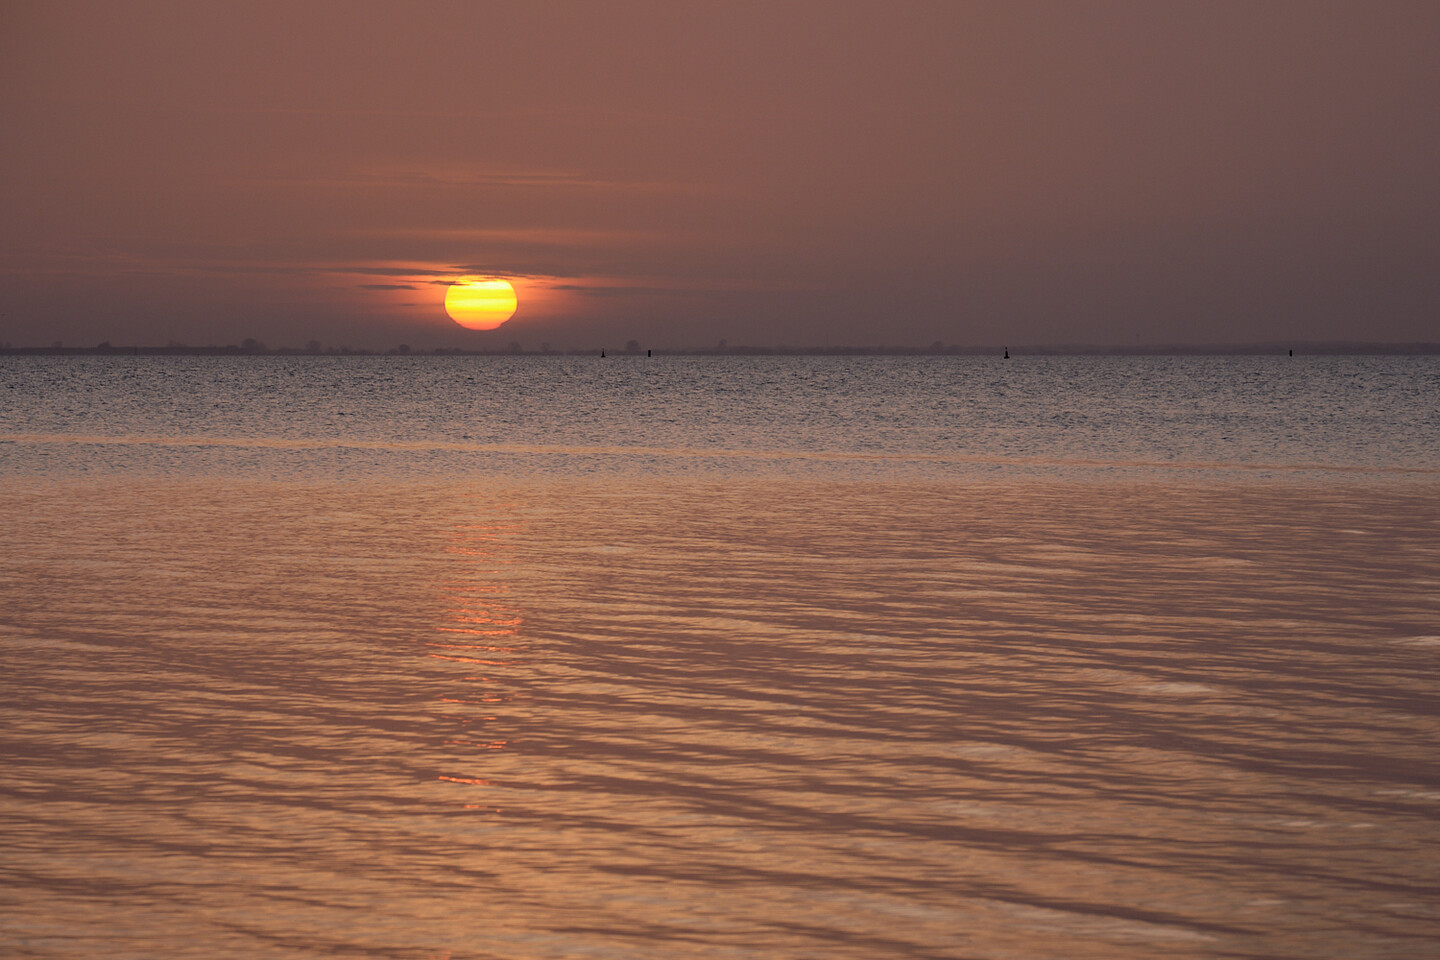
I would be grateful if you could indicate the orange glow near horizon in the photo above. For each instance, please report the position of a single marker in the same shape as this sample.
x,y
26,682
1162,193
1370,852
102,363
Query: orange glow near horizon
x,y
480,304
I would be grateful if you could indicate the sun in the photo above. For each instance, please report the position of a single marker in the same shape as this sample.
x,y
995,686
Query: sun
x,y
480,304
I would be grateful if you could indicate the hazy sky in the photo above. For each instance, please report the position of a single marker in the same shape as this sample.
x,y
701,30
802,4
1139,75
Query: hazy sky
x,y
814,172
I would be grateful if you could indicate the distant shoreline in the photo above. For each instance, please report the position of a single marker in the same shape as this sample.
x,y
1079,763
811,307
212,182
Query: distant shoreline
x,y
1303,348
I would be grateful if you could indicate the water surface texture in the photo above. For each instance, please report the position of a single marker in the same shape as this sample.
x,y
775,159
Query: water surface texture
x,y
343,415
882,657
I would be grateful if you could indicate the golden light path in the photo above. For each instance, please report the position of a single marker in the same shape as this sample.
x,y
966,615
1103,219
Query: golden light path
x,y
480,304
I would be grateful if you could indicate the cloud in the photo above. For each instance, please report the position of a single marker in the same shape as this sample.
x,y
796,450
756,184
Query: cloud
x,y
462,177
394,271
601,291
529,236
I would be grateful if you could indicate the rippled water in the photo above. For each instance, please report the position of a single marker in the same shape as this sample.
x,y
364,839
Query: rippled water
x,y
774,658
321,417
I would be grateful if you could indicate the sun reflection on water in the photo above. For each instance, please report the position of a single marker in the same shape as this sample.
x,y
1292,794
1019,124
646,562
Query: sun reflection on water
x,y
475,603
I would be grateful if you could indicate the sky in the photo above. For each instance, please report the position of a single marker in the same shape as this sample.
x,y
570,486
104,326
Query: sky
x,y
808,173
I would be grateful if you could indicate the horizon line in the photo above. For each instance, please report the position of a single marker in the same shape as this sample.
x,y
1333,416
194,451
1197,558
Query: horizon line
x,y
251,347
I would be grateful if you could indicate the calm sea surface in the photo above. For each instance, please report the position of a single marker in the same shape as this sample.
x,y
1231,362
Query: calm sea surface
x,y
720,657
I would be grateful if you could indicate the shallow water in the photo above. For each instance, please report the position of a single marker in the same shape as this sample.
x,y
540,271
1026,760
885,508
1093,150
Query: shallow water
x,y
267,698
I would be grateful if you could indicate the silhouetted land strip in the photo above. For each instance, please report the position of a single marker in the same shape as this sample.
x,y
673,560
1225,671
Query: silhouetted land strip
x,y
1312,348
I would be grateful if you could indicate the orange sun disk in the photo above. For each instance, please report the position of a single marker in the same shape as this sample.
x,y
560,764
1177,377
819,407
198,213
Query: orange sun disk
x,y
480,304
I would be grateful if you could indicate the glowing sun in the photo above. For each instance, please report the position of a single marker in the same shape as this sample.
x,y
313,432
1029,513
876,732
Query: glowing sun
x,y
480,304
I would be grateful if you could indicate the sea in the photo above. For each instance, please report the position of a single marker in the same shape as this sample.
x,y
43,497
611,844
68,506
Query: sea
x,y
720,657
